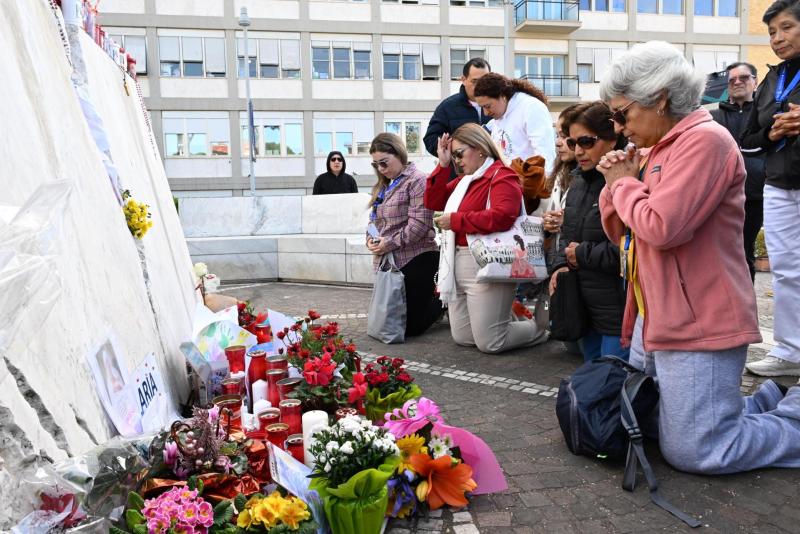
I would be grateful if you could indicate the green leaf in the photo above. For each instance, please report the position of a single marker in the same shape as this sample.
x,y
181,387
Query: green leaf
x,y
135,501
200,486
223,512
191,483
133,518
140,529
240,502
115,530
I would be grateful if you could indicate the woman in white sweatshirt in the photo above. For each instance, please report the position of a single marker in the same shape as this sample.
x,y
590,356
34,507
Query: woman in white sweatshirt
x,y
522,125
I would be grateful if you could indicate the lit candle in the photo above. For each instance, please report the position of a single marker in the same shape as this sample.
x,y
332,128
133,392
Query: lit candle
x,y
260,406
259,391
312,421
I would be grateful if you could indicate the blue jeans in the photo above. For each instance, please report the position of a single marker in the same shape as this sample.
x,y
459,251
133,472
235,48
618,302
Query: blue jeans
x,y
593,345
705,425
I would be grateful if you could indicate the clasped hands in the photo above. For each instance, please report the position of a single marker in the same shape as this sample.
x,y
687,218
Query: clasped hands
x,y
619,164
786,124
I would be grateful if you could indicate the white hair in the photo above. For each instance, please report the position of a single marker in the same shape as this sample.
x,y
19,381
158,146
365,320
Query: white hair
x,y
649,69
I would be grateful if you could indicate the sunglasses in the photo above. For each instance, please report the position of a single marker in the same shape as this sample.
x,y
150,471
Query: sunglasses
x,y
620,116
584,141
459,154
337,159
744,79
384,163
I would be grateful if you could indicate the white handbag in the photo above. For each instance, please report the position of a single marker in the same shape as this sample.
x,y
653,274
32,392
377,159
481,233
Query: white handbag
x,y
516,255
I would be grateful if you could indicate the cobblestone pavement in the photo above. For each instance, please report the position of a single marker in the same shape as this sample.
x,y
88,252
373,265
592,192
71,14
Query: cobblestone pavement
x,y
509,401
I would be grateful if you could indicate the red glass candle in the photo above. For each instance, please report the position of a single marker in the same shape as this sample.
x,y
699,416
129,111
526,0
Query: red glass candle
x,y
232,386
341,413
268,417
263,333
235,355
256,371
287,385
292,415
230,411
277,434
277,362
294,446
273,375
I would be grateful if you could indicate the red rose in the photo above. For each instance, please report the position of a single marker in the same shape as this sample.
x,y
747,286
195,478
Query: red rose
x,y
397,362
305,353
382,360
281,334
313,315
405,378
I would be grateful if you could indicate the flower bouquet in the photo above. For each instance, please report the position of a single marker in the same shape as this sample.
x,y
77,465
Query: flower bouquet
x,y
389,387
305,339
248,319
137,215
353,461
321,388
274,514
177,511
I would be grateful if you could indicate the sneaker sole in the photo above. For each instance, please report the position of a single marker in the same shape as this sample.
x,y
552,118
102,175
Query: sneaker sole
x,y
795,372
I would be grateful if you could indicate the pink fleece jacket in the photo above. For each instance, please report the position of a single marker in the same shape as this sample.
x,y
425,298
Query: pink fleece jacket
x,y
687,216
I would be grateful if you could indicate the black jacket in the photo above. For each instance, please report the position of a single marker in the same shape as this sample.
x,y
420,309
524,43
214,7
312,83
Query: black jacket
x,y
734,119
328,183
598,258
782,165
451,113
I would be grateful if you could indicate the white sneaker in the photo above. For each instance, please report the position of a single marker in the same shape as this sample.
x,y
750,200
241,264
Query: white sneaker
x,y
772,366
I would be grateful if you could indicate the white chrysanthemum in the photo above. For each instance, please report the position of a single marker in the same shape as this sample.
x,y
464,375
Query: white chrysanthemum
x,y
327,467
347,448
331,447
390,436
438,447
350,424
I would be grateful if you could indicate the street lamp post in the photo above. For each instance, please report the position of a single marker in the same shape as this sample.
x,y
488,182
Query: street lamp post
x,y
244,22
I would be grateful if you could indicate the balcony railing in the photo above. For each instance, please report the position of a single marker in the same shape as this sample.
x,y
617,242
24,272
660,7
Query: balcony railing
x,y
546,10
555,85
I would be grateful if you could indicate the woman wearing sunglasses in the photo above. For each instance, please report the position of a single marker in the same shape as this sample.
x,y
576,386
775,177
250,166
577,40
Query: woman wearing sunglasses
x,y
405,229
584,246
480,314
691,310
335,181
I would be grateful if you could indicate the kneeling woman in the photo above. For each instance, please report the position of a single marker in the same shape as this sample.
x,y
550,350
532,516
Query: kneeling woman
x,y
584,246
480,314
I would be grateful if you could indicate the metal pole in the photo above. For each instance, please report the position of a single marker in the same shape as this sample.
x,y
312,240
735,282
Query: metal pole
x,y
507,40
244,22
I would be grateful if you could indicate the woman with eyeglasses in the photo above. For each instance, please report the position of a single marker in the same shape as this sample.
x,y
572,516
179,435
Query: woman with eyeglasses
x,y
678,213
583,246
335,181
773,132
404,229
480,314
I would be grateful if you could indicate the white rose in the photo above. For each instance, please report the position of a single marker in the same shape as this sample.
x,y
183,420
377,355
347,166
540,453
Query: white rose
x,y
200,270
347,448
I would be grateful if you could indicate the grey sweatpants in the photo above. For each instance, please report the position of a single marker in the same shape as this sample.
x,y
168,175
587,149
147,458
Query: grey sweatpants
x,y
705,425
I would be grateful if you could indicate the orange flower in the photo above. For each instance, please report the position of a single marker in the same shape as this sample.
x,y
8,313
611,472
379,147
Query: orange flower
x,y
448,479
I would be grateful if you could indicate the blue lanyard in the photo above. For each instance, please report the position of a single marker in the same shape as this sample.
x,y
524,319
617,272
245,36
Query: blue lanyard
x,y
780,93
379,199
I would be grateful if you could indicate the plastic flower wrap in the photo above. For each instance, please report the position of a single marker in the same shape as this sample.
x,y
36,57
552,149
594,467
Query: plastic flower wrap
x,y
389,386
273,514
137,215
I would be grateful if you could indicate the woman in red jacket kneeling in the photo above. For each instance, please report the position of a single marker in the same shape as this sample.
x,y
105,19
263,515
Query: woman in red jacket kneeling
x,y
480,314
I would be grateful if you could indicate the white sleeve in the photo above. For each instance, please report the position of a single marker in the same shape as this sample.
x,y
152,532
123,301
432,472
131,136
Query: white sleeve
x,y
541,134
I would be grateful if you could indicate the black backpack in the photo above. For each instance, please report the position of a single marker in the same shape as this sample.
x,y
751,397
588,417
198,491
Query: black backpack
x,y
598,408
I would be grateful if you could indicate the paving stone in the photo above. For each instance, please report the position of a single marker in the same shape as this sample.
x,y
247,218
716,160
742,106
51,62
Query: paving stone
x,y
494,519
462,517
430,524
466,529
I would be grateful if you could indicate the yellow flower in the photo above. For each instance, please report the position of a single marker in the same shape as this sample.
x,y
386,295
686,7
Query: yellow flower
x,y
294,512
409,446
422,491
245,519
268,510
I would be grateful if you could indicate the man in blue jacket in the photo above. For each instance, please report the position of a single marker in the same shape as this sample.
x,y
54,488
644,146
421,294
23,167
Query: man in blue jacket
x,y
734,115
459,108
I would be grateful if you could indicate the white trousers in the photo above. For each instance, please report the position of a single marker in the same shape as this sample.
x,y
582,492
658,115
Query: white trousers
x,y
782,233
481,314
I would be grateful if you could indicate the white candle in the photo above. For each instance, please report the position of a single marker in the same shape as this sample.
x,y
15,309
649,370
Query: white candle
x,y
312,421
259,392
260,406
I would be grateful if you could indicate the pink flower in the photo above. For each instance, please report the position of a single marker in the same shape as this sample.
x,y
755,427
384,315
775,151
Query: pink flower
x,y
213,414
182,528
188,514
186,494
158,524
206,513
171,454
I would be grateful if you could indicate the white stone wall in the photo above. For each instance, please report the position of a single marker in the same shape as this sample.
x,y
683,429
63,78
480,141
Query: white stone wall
x,y
47,398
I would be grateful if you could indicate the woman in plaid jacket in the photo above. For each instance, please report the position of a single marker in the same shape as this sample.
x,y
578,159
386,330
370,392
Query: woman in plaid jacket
x,y
405,228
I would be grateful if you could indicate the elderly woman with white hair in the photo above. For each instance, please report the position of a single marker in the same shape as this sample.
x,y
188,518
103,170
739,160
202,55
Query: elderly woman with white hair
x,y
676,207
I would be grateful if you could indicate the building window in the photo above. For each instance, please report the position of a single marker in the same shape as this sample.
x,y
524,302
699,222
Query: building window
x,y
708,61
270,58
409,131
136,46
192,57
547,73
460,54
476,3
661,7
411,61
719,8
594,62
196,134
341,60
348,135
615,6
274,136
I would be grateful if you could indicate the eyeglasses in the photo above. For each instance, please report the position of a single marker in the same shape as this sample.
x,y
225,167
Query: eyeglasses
x,y
584,141
744,78
619,116
459,154
384,163
337,159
